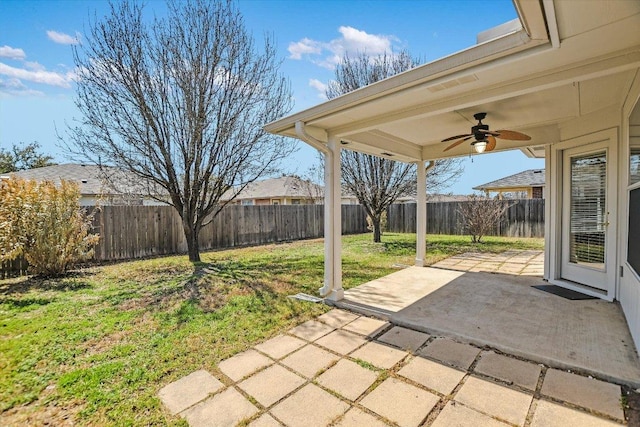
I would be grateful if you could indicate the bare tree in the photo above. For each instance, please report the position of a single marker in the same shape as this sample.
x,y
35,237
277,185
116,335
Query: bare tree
x,y
180,102
313,180
480,215
374,181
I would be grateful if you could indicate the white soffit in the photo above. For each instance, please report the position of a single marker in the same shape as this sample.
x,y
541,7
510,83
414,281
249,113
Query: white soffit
x,y
578,17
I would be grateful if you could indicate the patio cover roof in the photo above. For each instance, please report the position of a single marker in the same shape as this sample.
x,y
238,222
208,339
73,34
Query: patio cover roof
x,y
568,59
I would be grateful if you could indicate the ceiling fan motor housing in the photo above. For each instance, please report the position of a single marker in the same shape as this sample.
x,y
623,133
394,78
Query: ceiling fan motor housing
x,y
477,134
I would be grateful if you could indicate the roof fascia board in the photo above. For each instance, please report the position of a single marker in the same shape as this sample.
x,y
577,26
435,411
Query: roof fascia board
x,y
584,70
532,18
445,67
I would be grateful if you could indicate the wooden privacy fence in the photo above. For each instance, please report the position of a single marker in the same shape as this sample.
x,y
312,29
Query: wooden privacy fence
x,y
524,218
140,231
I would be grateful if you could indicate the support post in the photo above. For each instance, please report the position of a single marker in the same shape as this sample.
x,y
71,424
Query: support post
x,y
332,289
421,214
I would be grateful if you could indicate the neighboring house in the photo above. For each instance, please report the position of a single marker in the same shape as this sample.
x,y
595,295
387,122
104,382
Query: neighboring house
x,y
350,199
104,185
528,184
286,190
290,190
437,198
565,73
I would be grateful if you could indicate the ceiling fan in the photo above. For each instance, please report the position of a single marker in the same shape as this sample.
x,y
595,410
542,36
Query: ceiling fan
x,y
485,139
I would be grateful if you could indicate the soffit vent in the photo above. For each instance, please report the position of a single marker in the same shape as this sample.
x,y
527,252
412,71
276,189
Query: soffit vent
x,y
453,83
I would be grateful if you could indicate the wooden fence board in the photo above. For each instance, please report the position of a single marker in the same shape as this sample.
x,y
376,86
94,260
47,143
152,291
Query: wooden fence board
x,y
523,218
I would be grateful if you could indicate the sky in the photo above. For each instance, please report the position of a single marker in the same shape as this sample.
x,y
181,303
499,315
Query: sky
x,y
37,70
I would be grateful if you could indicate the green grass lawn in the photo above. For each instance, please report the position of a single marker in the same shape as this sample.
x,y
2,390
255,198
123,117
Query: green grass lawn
x,y
94,348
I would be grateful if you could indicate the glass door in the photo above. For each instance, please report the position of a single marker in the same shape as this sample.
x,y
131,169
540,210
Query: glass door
x,y
586,216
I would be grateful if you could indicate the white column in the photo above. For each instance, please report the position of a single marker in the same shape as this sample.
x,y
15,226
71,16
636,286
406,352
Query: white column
x,y
421,214
332,289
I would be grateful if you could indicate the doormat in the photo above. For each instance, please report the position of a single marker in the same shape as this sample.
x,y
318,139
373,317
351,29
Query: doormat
x,y
563,292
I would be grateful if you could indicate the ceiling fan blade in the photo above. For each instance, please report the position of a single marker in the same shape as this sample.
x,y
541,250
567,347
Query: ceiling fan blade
x,y
451,138
491,143
512,135
458,142
488,132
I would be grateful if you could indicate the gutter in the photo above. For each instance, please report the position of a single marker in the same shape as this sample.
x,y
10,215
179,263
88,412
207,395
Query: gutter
x,y
552,23
302,134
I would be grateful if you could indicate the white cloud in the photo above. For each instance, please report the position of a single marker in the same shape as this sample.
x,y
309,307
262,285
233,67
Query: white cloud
x,y
37,76
34,66
304,46
12,53
16,87
62,38
320,87
329,54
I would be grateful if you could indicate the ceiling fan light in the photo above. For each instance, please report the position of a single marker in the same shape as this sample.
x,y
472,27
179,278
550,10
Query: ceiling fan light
x,y
480,146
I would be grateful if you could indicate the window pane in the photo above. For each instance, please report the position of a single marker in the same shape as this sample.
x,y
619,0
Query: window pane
x,y
588,209
634,165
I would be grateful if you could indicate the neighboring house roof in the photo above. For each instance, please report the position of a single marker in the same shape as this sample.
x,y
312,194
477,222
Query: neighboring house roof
x,y
447,198
93,180
286,186
524,179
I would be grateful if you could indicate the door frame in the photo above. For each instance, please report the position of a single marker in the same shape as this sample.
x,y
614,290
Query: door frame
x,y
555,174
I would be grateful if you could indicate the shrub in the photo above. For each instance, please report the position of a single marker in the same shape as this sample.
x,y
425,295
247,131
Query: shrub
x,y
480,215
45,224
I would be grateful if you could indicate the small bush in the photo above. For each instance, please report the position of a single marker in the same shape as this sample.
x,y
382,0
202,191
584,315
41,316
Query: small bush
x,y
44,223
480,215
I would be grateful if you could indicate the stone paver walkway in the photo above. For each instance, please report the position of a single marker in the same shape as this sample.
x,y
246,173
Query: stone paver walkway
x,y
348,370
520,262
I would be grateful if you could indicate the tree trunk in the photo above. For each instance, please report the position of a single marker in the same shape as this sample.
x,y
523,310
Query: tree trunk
x,y
191,233
377,233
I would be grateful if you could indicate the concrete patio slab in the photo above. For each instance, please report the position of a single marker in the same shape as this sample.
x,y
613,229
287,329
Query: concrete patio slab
x,y
337,318
508,369
549,414
224,409
265,420
400,289
495,400
527,262
342,342
348,379
432,375
461,416
309,407
243,364
379,355
400,402
585,392
309,360
450,352
311,330
189,390
409,396
405,339
358,418
506,313
271,385
280,346
366,326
